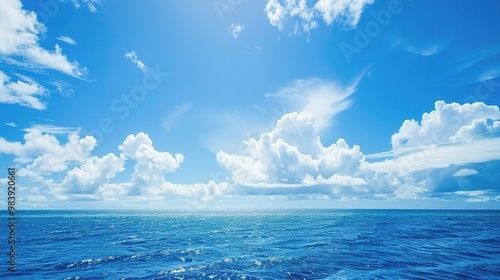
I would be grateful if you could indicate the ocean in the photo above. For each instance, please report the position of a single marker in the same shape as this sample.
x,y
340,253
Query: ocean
x,y
268,244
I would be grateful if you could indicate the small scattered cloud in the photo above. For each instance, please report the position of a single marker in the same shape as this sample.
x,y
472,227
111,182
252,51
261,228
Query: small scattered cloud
x,y
465,172
133,57
67,40
236,29
11,124
90,4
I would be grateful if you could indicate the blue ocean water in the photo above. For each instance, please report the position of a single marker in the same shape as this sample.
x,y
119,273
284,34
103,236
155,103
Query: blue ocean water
x,y
274,244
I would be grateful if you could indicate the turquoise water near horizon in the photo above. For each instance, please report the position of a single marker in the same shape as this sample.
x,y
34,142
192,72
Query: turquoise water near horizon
x,y
268,244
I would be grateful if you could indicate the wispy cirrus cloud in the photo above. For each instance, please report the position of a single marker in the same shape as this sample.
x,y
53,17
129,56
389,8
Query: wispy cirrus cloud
x,y
20,49
50,129
322,98
425,51
67,40
465,172
21,33
442,156
468,61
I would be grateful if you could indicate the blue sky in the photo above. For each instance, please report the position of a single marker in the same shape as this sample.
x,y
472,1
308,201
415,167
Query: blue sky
x,y
244,104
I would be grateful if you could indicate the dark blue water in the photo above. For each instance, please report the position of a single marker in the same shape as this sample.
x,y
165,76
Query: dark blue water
x,y
282,244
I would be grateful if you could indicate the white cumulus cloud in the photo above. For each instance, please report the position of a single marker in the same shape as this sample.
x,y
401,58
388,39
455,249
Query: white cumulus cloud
x,y
449,123
292,153
68,170
290,159
42,154
94,172
435,151
305,18
346,11
150,163
451,134
24,93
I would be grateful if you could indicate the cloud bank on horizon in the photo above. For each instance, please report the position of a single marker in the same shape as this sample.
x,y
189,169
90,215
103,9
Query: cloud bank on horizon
x,y
449,151
288,160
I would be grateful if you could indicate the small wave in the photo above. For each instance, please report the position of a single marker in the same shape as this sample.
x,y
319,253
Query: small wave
x,y
316,244
129,240
91,262
178,270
